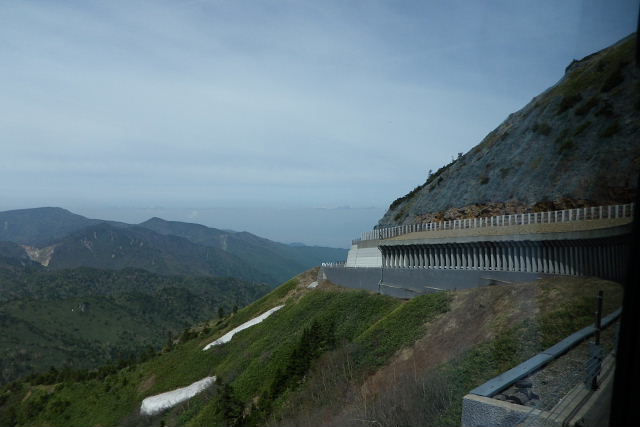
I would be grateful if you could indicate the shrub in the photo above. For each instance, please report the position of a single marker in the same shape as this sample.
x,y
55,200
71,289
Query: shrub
x,y
610,130
504,172
431,178
484,180
566,145
615,78
582,128
587,106
568,101
542,128
606,111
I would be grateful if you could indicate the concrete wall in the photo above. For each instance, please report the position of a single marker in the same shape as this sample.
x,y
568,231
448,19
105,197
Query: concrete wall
x,y
601,257
364,257
411,282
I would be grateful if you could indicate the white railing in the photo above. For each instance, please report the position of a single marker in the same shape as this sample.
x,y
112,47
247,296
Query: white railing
x,y
566,215
334,264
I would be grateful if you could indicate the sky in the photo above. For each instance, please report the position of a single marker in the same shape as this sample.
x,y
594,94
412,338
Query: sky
x,y
299,121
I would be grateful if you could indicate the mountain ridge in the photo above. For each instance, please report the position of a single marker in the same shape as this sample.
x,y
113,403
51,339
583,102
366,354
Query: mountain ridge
x,y
574,145
58,238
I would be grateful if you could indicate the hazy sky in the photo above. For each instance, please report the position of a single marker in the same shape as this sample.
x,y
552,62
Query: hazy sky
x,y
270,116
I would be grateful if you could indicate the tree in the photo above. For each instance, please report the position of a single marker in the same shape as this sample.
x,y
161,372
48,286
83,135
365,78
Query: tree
x,y
229,406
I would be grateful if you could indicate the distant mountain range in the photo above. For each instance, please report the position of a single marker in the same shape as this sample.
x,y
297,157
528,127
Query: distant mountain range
x,y
57,239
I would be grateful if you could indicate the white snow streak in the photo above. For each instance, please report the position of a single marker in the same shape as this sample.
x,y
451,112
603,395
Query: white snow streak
x,y
227,337
154,404
312,285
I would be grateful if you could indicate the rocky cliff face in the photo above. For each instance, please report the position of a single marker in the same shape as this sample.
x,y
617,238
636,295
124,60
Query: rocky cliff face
x,y
576,144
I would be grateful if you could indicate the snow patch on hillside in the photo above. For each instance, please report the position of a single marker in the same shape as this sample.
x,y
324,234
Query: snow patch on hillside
x,y
227,337
154,404
312,285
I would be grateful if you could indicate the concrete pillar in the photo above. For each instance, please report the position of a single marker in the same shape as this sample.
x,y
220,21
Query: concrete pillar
x,y
534,258
491,248
513,256
505,255
533,249
597,261
552,261
474,256
526,256
586,262
486,249
561,260
580,261
609,261
546,257
571,265
567,257
521,257
557,258
593,260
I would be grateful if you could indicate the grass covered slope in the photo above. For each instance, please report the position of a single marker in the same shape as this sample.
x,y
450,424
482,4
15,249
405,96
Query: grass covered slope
x,y
331,355
87,317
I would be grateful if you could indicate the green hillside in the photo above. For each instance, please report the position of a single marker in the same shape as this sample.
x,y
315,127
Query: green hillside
x,y
106,246
321,354
279,260
87,317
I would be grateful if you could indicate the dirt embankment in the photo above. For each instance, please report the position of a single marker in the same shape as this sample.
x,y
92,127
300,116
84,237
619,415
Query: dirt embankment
x,y
476,316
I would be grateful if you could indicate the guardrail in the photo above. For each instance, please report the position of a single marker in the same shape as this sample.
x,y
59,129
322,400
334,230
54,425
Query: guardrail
x,y
566,215
504,380
334,264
